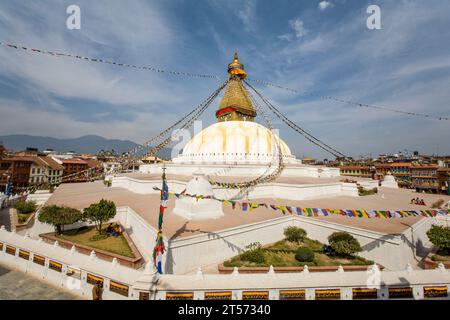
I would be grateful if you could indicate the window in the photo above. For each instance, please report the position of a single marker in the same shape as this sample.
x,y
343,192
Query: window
x,y
56,266
119,288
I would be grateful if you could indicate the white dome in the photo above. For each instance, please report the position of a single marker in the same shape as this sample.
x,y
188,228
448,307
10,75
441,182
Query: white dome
x,y
234,142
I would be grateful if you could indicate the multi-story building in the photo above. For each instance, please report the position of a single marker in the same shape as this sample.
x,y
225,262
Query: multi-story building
x,y
45,170
444,180
356,171
402,173
381,170
424,178
5,172
75,168
28,152
20,172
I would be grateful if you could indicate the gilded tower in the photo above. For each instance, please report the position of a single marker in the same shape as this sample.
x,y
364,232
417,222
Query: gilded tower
x,y
236,104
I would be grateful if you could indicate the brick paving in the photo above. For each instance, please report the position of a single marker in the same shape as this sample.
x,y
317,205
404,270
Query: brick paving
x,y
16,285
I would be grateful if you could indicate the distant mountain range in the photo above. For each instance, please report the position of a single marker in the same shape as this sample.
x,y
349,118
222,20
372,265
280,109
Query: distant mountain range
x,y
84,144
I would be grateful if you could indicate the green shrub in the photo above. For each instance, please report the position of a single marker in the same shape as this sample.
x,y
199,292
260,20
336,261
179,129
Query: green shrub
x,y
344,244
255,256
25,207
304,254
440,237
294,234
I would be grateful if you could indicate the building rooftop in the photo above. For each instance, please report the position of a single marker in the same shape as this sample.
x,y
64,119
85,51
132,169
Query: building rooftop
x,y
21,158
425,166
74,161
401,164
52,163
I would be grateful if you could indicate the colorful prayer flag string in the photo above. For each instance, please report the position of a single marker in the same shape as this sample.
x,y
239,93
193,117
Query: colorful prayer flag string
x,y
159,248
317,212
105,61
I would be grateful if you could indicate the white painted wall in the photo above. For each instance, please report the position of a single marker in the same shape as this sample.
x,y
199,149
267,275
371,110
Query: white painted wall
x,y
269,190
188,253
235,169
144,280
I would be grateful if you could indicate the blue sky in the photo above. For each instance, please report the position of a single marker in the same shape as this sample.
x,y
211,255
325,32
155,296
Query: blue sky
x,y
321,48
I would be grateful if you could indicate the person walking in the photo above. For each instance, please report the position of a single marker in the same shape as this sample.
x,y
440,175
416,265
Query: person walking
x,y
97,291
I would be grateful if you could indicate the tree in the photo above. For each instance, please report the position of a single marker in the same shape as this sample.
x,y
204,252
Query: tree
x,y
343,243
294,234
440,237
99,213
59,217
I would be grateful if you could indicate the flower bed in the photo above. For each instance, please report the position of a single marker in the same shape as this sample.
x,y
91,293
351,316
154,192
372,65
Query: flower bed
x,y
282,256
121,247
435,258
21,220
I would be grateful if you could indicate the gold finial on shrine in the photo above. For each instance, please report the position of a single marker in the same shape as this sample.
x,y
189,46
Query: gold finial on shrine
x,y
236,68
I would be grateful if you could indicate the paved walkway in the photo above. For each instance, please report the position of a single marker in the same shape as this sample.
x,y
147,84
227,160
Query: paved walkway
x,y
15,285
5,219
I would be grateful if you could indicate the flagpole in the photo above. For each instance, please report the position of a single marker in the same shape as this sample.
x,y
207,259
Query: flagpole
x,y
159,248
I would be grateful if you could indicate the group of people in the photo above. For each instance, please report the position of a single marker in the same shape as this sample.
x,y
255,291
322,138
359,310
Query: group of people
x,y
114,230
8,200
418,201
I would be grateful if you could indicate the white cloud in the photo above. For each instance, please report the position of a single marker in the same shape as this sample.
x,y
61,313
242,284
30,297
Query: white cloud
x,y
298,26
403,67
323,5
247,14
61,125
142,36
287,37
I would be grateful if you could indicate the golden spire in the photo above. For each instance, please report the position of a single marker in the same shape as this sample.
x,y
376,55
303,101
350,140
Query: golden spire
x,y
236,68
235,104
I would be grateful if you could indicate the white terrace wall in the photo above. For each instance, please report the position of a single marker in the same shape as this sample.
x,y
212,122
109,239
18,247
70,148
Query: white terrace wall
x,y
234,169
13,247
271,190
141,232
273,283
392,251
382,248
186,254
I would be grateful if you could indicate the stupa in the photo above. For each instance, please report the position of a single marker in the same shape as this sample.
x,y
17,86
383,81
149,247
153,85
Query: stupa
x,y
389,181
236,142
237,149
191,208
